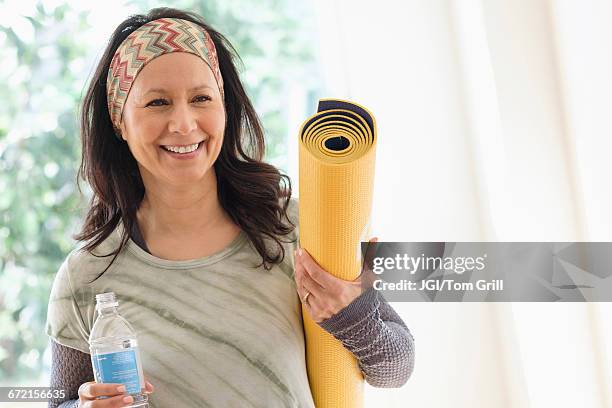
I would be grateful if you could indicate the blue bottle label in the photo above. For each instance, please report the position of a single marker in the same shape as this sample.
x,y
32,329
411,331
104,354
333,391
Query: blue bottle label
x,y
118,367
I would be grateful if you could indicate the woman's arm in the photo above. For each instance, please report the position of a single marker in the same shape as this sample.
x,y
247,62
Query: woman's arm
x,y
370,329
362,321
69,369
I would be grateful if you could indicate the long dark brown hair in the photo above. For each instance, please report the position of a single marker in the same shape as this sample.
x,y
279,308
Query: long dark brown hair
x,y
254,194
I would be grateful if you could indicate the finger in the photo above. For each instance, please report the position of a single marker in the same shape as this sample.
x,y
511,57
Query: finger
x,y
149,387
91,390
370,253
299,280
299,273
323,278
297,268
371,250
310,285
315,305
308,306
83,390
114,402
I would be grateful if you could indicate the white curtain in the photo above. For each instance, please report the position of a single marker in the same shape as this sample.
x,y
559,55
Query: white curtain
x,y
494,124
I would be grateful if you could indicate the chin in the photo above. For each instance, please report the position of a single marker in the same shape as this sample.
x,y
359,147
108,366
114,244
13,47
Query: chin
x,y
189,177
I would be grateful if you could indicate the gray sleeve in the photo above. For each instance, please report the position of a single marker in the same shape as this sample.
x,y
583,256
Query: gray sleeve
x,y
370,329
69,369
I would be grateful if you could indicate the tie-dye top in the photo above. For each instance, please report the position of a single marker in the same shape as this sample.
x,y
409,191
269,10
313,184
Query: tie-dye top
x,y
219,331
212,332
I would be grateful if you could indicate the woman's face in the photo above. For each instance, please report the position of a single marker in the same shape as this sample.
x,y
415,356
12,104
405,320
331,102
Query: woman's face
x,y
174,104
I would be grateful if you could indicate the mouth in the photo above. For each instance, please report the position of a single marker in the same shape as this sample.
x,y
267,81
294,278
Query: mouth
x,y
185,151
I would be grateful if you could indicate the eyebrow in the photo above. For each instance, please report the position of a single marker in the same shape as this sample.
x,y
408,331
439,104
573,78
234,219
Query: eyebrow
x,y
162,90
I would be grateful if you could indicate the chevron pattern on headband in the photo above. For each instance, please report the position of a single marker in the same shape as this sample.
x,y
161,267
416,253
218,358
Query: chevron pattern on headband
x,y
155,38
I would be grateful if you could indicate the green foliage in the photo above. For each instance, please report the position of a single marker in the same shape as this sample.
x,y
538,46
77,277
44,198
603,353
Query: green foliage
x,y
42,80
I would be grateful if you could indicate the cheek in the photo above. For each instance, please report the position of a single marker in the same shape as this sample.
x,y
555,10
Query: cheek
x,y
214,124
150,126
146,127
142,140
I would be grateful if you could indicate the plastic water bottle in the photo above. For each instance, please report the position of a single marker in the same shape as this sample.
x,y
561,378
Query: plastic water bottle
x,y
114,350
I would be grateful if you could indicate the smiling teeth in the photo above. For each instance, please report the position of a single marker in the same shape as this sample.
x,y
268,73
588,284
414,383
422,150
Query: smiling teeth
x,y
182,149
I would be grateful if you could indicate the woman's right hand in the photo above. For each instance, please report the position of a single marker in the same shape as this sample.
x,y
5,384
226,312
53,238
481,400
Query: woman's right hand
x,y
90,391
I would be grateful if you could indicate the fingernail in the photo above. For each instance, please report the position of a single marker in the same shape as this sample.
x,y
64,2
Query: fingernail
x,y
128,399
300,252
121,388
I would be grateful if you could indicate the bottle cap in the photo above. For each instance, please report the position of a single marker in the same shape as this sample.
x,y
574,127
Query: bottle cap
x,y
104,300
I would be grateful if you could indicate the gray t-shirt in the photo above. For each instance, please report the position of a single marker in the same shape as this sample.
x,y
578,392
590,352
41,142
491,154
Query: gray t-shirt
x,y
215,331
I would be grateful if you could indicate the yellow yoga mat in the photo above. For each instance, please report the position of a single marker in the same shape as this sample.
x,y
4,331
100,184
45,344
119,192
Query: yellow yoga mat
x,y
337,152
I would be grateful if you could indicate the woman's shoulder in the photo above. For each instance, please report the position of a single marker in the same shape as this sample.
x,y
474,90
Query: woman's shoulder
x,y
70,309
292,211
81,266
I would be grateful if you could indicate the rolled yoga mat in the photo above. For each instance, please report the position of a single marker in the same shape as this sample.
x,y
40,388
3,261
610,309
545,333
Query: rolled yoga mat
x,y
336,153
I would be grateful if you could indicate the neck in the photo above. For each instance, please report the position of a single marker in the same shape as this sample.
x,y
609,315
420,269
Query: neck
x,y
181,211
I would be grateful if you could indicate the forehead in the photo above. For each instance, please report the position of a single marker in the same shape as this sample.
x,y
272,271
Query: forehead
x,y
173,71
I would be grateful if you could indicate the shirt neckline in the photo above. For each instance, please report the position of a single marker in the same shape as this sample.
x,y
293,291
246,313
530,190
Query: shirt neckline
x,y
234,246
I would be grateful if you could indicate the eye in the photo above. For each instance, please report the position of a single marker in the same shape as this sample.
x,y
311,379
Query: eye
x,y
155,102
202,98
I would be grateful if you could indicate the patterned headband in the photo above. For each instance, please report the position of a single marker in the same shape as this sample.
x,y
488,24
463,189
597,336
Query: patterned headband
x,y
155,38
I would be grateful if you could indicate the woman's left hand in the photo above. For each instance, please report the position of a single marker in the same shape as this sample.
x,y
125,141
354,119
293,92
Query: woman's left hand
x,y
322,294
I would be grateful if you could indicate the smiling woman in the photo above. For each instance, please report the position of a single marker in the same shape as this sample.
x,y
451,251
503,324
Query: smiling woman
x,y
203,238
149,103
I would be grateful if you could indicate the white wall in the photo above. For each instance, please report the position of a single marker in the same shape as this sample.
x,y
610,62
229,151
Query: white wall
x,y
493,125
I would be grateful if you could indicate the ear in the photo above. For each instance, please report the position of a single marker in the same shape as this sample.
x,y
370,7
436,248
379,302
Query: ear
x,y
121,132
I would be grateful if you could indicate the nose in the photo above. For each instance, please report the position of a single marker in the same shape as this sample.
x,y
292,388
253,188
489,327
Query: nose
x,y
182,119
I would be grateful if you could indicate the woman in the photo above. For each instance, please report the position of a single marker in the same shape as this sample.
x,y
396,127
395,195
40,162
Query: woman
x,y
202,236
